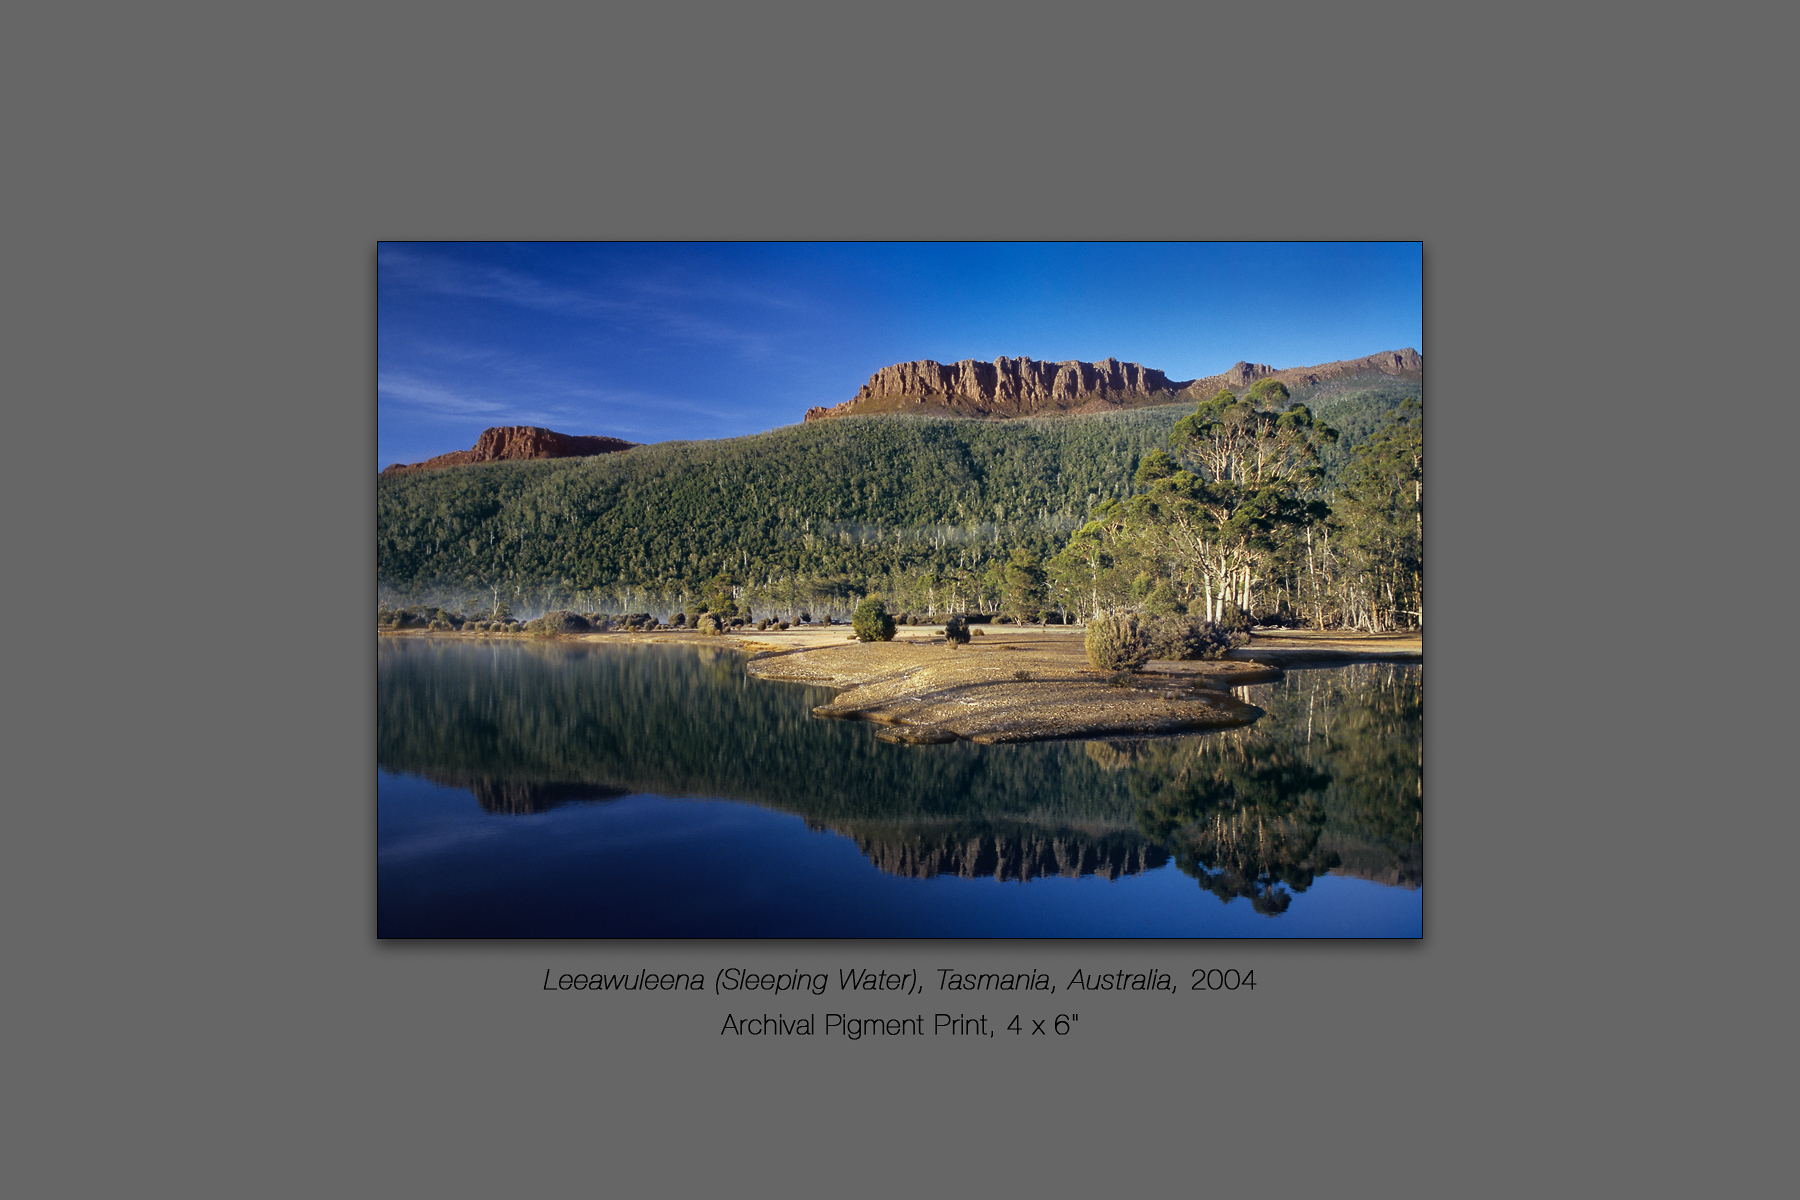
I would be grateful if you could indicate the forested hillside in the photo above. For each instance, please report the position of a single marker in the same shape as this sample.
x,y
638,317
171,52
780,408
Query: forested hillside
x,y
926,511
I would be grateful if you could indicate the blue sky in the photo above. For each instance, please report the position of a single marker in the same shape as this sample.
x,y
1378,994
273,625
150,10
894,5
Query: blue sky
x,y
653,342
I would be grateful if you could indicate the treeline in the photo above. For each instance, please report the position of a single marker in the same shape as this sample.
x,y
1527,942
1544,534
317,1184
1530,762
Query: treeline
x,y
1238,522
934,514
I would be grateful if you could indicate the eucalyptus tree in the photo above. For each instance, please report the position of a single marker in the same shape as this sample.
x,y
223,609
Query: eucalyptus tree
x,y
1381,517
1248,472
1092,571
1024,584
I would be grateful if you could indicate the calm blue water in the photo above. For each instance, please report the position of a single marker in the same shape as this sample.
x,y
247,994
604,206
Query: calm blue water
x,y
533,790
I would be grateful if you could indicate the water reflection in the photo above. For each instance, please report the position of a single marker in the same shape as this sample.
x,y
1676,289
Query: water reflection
x,y
1328,780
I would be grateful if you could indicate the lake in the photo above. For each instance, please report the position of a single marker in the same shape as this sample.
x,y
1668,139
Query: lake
x,y
545,789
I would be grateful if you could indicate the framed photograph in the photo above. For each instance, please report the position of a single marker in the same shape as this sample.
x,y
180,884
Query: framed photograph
x,y
900,590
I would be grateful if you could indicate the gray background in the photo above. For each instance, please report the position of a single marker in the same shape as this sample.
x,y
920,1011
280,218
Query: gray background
x,y
190,859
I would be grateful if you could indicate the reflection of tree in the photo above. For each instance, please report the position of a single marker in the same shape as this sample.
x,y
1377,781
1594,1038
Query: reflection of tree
x,y
1375,745
688,721
1241,816
1327,780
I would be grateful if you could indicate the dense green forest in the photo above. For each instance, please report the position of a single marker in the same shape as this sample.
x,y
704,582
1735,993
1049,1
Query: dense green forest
x,y
1069,514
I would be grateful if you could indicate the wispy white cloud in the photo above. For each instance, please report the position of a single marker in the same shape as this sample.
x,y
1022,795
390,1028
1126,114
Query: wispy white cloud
x,y
648,308
555,404
426,273
422,395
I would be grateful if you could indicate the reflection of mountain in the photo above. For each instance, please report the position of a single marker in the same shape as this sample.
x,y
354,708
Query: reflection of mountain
x,y
1328,780
518,797
1001,850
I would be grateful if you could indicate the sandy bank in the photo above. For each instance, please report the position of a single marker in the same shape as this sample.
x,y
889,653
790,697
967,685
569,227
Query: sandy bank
x,y
1011,685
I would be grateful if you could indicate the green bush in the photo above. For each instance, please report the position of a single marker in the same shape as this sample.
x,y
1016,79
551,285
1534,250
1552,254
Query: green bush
x,y
956,632
782,625
872,622
709,623
562,621
1177,638
1234,618
1116,644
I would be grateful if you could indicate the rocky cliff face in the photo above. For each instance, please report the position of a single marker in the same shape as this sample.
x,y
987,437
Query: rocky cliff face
x,y
1018,387
516,442
1006,387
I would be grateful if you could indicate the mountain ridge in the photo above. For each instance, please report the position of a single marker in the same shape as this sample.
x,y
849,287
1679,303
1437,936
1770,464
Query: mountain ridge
x,y
517,442
1023,387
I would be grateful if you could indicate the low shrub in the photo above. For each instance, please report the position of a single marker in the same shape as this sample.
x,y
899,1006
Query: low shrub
x,y
709,623
562,621
1179,638
782,625
1117,644
872,623
1022,676
978,631
956,632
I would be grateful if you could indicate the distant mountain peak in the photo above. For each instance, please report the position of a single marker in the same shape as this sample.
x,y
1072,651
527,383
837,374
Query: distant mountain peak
x,y
1023,387
517,442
